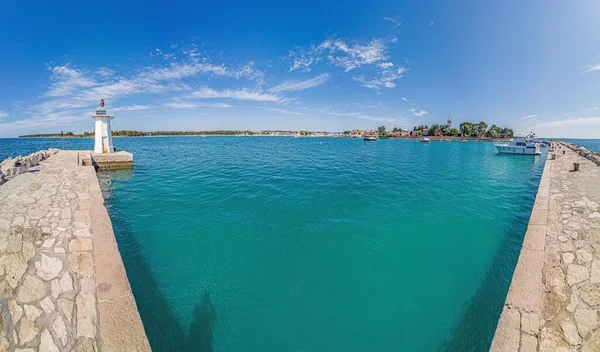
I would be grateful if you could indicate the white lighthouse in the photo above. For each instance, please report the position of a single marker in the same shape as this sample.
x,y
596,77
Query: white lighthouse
x,y
103,138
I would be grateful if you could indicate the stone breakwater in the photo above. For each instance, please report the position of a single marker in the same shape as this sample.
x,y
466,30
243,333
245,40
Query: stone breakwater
x,y
12,167
553,303
63,286
592,156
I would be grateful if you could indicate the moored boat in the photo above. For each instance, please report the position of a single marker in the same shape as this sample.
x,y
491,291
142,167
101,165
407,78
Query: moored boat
x,y
370,138
522,145
425,140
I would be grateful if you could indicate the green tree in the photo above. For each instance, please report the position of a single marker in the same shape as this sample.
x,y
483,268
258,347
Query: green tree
x,y
466,129
381,130
435,130
453,132
481,129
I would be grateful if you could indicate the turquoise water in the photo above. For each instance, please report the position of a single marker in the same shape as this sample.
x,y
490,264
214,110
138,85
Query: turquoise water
x,y
590,144
297,244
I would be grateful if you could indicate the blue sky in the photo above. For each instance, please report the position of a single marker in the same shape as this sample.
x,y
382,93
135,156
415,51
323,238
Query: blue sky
x,y
311,65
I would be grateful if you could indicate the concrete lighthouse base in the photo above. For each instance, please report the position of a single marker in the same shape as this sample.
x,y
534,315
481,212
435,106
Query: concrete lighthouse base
x,y
116,160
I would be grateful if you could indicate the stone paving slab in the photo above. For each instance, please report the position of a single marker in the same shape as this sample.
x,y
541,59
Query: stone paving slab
x,y
63,286
553,302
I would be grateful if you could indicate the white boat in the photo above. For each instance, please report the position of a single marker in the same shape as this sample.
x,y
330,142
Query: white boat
x,y
370,138
522,145
425,140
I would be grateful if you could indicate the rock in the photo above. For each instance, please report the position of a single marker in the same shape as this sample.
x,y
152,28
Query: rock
x,y
15,311
554,276
48,268
65,213
14,242
568,258
530,323
47,305
595,272
594,215
584,256
82,263
586,320
60,330
27,331
86,309
66,306
31,312
48,243
552,341
590,294
66,282
528,343
83,233
80,244
55,289
591,345
14,267
4,344
28,250
570,332
33,289
576,273
46,343
84,345
573,301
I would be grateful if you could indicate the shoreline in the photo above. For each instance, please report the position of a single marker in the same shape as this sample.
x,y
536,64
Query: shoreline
x,y
65,287
554,297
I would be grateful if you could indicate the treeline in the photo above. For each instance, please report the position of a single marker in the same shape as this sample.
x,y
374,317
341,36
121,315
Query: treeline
x,y
51,135
467,129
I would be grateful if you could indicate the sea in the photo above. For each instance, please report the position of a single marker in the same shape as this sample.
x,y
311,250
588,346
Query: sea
x,y
316,244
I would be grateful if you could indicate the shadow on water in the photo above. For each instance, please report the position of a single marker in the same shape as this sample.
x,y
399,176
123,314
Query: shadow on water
x,y
484,309
160,323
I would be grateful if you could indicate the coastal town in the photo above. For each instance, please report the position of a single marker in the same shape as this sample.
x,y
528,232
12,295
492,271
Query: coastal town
x,y
465,131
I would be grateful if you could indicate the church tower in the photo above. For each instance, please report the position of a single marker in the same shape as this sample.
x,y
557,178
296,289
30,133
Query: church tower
x,y
449,123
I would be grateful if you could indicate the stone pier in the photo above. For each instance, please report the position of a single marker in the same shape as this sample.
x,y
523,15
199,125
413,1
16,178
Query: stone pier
x,y
554,297
63,286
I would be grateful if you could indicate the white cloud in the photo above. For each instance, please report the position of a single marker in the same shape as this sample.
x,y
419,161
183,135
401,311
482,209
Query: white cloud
x,y
189,105
293,86
432,23
395,22
284,111
592,68
580,127
351,56
386,79
595,108
105,72
528,117
404,99
420,113
3,114
132,108
572,122
241,94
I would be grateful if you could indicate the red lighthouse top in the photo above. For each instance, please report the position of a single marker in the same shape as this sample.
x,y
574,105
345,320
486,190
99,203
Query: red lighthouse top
x,y
102,102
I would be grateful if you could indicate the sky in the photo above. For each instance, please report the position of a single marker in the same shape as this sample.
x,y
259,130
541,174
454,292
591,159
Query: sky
x,y
301,65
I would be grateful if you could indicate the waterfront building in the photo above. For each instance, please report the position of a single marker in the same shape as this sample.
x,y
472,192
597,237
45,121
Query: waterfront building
x,y
103,142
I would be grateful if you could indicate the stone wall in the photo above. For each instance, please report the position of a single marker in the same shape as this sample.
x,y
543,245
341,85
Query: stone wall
x,y
591,156
553,303
12,167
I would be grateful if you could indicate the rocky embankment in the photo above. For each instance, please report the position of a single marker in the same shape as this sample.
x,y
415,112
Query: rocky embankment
x,y
12,167
591,156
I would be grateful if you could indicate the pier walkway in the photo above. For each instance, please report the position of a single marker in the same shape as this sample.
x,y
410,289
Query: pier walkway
x,y
554,298
63,286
